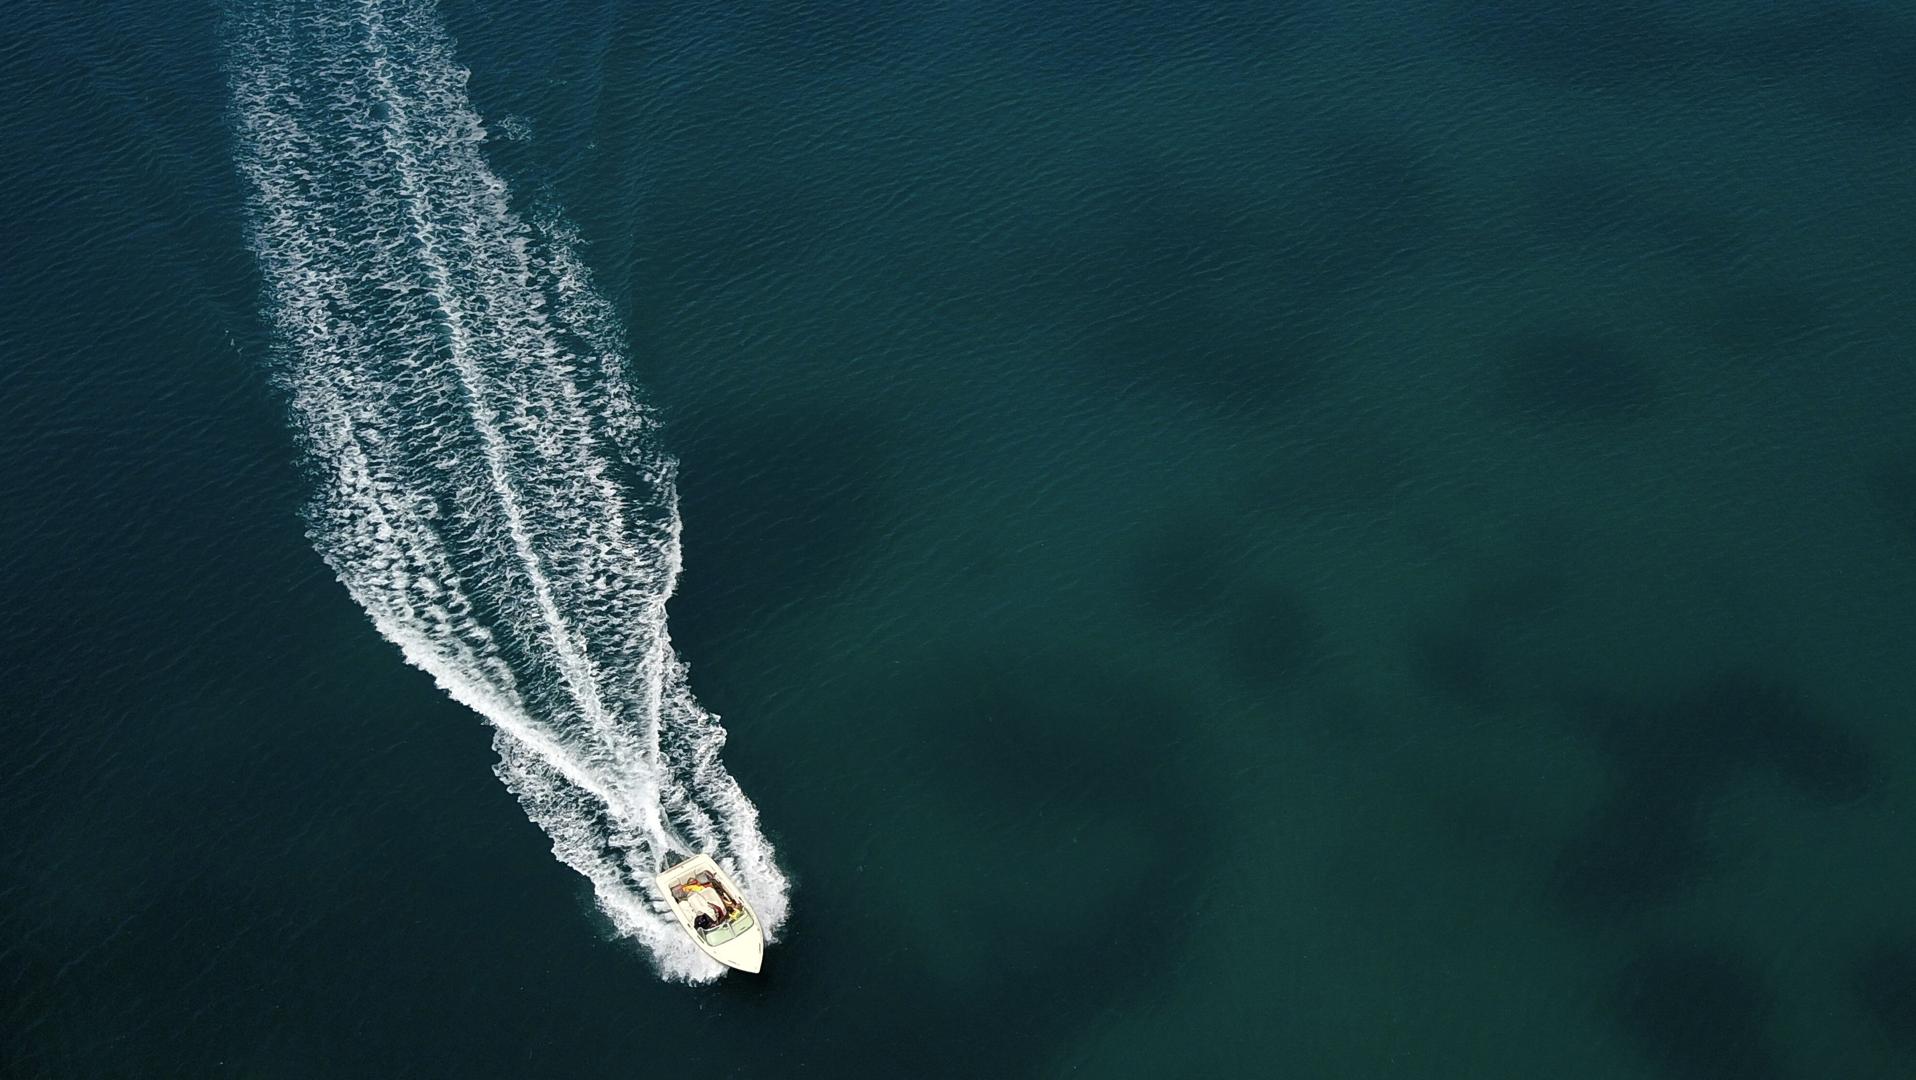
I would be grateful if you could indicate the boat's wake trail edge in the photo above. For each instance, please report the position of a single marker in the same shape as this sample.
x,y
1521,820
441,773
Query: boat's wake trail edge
x,y
489,487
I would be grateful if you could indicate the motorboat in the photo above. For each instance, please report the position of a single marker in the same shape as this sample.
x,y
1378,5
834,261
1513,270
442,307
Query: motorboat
x,y
713,911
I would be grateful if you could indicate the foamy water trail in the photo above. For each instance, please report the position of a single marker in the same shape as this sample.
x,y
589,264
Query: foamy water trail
x,y
489,486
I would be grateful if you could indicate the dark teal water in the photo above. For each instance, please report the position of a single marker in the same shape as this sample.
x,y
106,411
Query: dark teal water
x,y
1307,539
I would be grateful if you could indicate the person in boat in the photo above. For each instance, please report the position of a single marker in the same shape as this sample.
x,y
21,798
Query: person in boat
x,y
703,922
708,893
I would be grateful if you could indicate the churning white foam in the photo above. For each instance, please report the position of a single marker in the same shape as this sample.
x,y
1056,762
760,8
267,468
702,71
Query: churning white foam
x,y
489,486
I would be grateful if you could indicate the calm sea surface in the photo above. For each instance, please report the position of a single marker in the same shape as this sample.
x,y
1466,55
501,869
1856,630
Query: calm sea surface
x,y
1303,539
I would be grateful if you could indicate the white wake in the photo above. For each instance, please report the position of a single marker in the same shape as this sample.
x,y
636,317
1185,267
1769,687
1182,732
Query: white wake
x,y
490,488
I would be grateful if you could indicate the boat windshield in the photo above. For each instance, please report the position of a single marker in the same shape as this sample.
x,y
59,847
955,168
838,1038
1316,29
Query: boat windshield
x,y
714,912
721,934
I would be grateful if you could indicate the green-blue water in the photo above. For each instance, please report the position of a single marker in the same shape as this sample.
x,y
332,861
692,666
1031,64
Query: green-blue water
x,y
1295,540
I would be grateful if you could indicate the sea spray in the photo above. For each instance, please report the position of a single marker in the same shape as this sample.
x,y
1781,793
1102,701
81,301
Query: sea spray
x,y
488,484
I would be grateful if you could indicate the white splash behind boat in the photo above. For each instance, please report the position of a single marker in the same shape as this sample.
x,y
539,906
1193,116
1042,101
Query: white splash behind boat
x,y
488,480
713,911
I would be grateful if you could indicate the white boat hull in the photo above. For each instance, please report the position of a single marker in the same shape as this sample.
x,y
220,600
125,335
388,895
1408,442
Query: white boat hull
x,y
713,911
